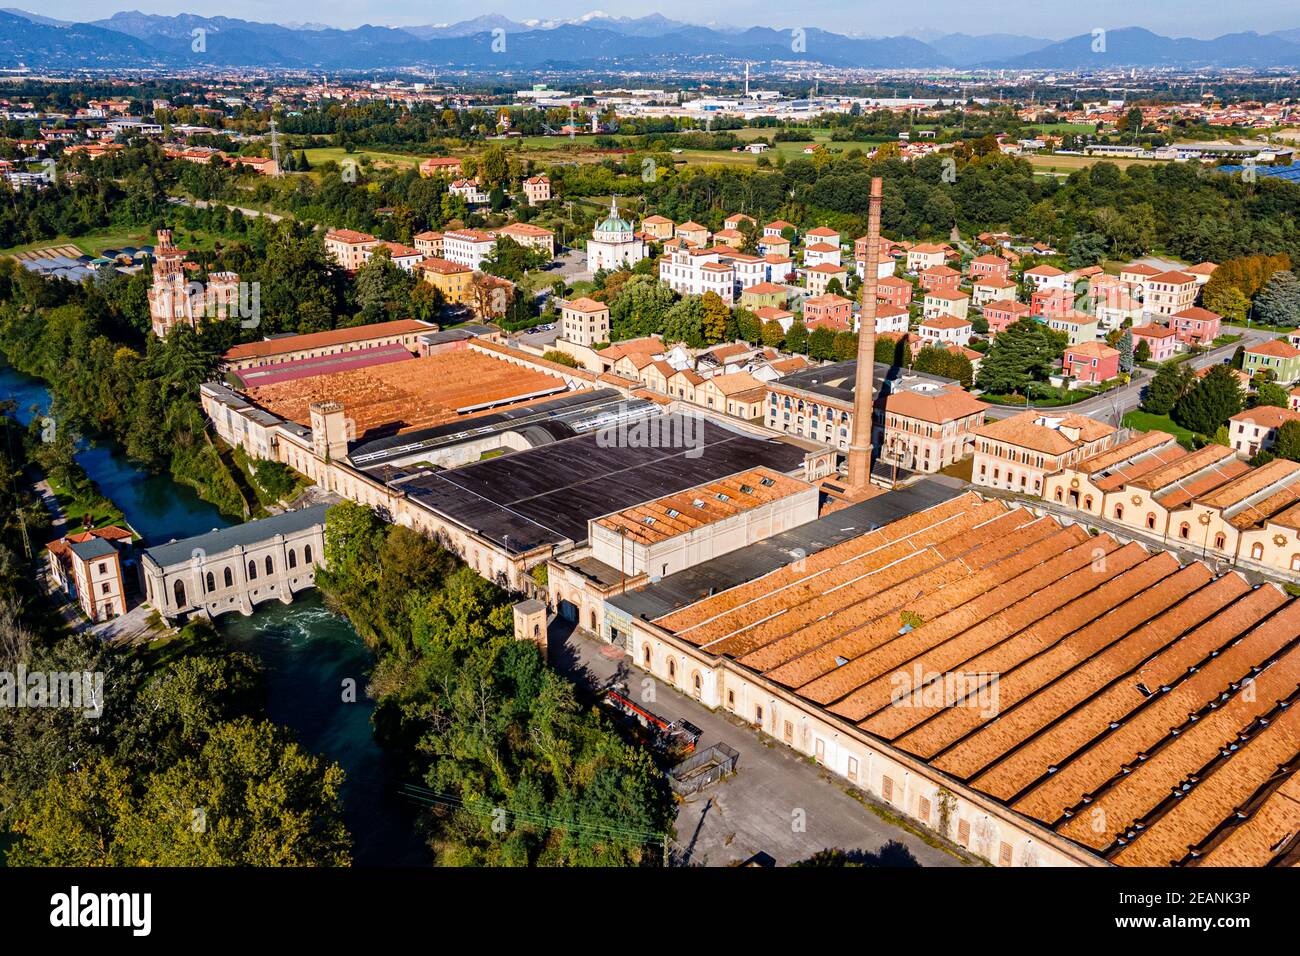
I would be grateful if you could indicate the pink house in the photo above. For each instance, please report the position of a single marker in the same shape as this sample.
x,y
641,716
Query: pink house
x,y
1161,340
1195,326
1091,362
1051,301
990,267
833,311
940,279
999,314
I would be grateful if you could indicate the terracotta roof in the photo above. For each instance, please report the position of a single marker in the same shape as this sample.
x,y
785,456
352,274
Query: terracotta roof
x,y
1278,348
1152,331
315,340
765,288
441,266
1266,416
349,236
936,407
945,322
1118,682
1196,312
584,304
1031,429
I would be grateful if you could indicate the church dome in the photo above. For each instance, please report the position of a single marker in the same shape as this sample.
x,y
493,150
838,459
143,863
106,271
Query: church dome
x,y
613,224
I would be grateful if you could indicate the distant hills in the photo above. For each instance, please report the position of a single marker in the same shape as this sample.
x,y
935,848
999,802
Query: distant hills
x,y
596,40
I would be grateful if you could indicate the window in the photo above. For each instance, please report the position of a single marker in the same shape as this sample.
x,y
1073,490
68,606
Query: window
x,y
103,588
963,833
788,732
293,558
731,699
252,570
1184,530
1151,520
672,670
645,655
211,582
229,577
306,553
853,768
1220,541
270,566
923,809
887,789
103,567
1004,855
178,590
758,713
819,750
1256,552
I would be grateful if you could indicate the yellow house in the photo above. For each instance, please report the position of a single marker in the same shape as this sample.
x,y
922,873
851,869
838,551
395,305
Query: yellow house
x,y
450,278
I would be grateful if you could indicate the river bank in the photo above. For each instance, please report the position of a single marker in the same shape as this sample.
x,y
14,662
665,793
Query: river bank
x,y
305,651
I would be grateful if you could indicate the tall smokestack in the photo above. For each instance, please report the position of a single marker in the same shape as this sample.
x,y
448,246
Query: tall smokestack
x,y
864,386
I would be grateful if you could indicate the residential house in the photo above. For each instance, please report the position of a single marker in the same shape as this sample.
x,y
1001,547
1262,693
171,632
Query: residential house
x,y
348,247
925,255
1255,429
1044,276
1091,363
530,237
658,228
584,321
1160,339
833,311
819,277
1276,356
429,242
1079,327
940,279
763,295
87,566
992,289
1001,313
989,267
946,303
894,291
693,233
1196,326
452,279
945,329
537,189
1168,293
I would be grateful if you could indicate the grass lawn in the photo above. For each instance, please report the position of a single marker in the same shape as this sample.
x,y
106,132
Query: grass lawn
x,y
100,510
1056,163
1141,421
325,154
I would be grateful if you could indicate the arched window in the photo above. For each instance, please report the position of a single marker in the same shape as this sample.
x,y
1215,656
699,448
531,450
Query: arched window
x,y
1087,502
212,583
229,578
178,589
293,558
1184,531
306,554
1060,494
1220,541
1151,520
672,670
1257,551
593,620
252,570
645,654
1119,511
1295,562
270,565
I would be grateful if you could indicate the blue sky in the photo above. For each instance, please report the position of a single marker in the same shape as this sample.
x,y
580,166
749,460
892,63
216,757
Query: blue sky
x,y
1199,18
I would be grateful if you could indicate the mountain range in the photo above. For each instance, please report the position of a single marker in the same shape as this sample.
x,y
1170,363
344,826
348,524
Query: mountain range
x,y
595,41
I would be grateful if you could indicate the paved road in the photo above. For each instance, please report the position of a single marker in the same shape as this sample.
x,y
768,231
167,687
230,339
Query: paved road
x,y
759,809
1113,405
204,204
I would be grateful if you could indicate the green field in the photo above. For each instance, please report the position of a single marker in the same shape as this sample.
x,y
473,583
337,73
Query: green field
x,y
336,154
92,243
1146,422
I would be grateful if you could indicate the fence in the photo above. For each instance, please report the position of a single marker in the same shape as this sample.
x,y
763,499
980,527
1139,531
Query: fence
x,y
703,769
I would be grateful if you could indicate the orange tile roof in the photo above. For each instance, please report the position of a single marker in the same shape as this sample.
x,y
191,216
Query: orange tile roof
x,y
1118,681
315,340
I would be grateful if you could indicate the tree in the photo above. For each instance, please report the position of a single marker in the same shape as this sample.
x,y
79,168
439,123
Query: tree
x,y
796,338
1085,249
1127,359
640,308
1279,301
1171,382
772,334
684,322
715,318
1287,443
944,362
1022,354
560,358
1210,402
1270,393
821,343
1142,353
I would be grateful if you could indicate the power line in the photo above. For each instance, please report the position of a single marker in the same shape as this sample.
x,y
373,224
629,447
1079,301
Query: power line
x,y
485,808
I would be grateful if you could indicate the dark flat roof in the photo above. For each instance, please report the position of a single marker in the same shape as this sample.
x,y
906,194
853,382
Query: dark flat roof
x,y
247,534
547,494
837,379
745,564
369,454
91,548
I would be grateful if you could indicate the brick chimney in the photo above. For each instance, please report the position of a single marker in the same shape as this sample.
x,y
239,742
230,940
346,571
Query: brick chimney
x,y
860,452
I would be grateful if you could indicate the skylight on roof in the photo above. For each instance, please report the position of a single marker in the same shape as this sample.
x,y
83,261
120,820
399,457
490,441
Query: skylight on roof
x,y
648,519
674,513
722,496
746,489
767,482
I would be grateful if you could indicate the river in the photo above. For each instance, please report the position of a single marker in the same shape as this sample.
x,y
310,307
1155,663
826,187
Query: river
x,y
305,651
